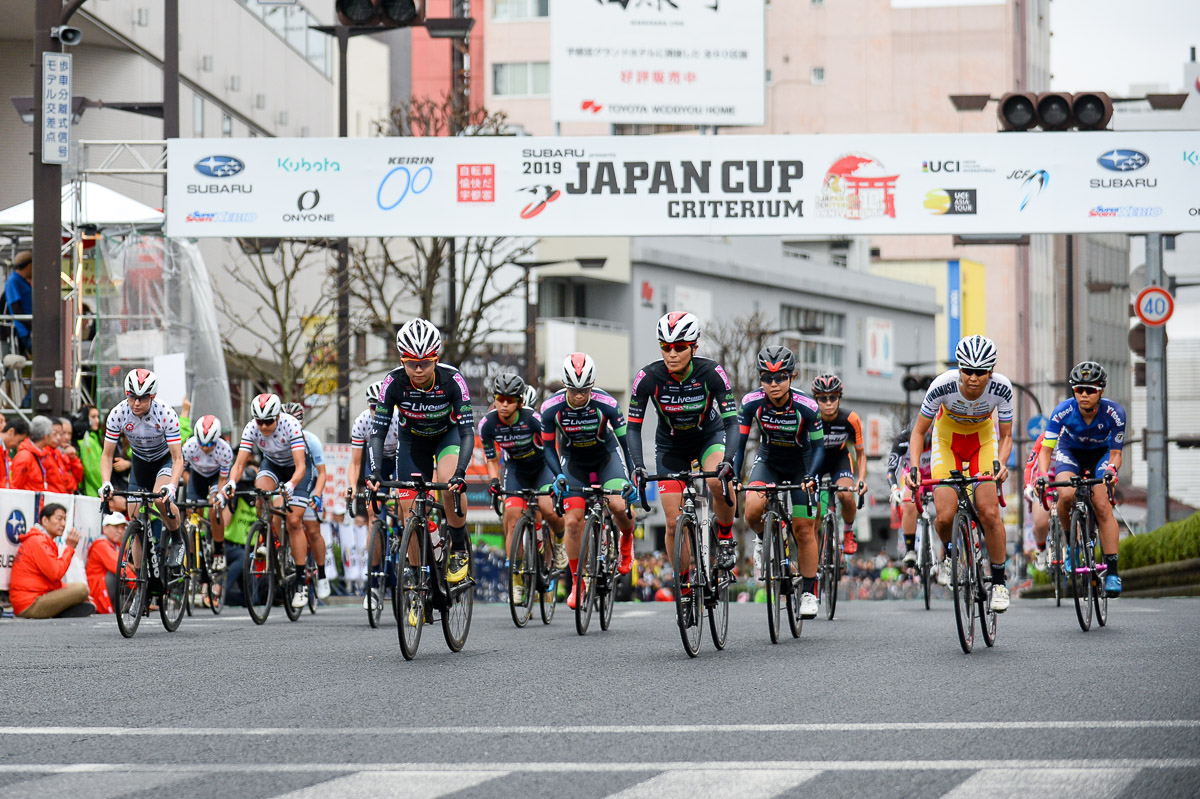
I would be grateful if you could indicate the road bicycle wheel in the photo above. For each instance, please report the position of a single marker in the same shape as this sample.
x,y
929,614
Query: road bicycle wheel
x,y
831,566
133,579
411,589
310,578
962,578
191,575
772,573
377,571
987,617
522,570
688,589
585,591
214,582
1056,548
176,584
718,593
456,619
258,580
1080,566
1099,592
548,595
791,586
606,588
926,559
290,575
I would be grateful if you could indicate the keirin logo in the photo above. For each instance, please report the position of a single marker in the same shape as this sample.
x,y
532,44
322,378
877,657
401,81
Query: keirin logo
x,y
308,200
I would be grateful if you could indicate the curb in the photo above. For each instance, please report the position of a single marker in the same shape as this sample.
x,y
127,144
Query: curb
x,y
1181,578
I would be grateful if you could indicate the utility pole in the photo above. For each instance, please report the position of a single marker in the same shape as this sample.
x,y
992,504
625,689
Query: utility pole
x,y
1155,444
343,261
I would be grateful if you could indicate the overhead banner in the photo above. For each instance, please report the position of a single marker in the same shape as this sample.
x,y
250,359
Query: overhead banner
x,y
678,62
998,184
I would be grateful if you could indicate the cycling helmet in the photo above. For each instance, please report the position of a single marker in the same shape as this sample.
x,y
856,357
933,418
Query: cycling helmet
x,y
141,383
266,407
208,430
776,359
827,384
508,385
678,326
579,371
373,391
976,352
1088,373
419,339
530,396
294,409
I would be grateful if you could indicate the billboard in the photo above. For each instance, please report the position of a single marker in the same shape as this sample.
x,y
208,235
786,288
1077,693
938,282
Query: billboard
x,y
678,62
1078,182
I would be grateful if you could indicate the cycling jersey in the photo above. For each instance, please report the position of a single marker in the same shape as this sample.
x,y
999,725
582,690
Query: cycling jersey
x,y
1031,470
426,416
520,441
590,434
314,456
149,435
899,462
790,436
691,410
360,433
844,428
962,430
1068,429
207,464
277,447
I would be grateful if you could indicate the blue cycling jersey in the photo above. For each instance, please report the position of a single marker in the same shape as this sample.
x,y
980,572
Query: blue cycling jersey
x,y
1068,430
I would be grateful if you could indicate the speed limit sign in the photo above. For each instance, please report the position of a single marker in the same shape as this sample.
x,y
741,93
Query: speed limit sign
x,y
1154,305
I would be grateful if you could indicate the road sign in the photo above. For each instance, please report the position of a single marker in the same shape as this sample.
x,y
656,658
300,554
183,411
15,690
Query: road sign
x,y
1154,305
1036,426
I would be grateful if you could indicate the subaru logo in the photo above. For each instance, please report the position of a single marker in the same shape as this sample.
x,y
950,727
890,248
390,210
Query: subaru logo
x,y
219,166
1123,160
15,527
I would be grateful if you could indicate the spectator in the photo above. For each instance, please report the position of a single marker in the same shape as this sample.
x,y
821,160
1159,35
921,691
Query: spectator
x,y
331,531
36,589
12,433
70,468
30,467
91,444
102,563
18,296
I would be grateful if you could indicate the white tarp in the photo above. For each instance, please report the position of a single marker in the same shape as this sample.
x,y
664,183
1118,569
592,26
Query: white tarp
x,y
100,206
997,183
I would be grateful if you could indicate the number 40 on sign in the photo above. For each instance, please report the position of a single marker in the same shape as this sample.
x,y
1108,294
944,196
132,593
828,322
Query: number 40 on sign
x,y
1154,305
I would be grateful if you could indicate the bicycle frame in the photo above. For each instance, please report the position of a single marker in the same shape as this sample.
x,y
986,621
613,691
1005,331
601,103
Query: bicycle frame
x,y
1086,575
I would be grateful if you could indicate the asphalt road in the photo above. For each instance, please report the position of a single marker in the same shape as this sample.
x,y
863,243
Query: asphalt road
x,y
880,702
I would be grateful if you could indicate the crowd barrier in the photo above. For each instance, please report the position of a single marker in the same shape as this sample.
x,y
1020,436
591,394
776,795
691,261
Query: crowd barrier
x,y
20,509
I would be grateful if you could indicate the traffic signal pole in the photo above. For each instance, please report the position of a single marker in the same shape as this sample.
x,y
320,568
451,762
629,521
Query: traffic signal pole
x,y
1155,443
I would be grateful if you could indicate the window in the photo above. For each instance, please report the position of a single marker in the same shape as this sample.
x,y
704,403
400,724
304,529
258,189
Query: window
x,y
818,3
642,129
520,9
226,126
767,77
197,116
292,23
817,337
818,75
522,79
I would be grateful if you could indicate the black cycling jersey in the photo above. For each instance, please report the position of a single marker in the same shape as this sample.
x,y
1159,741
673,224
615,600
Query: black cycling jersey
x,y
589,433
425,414
520,441
790,435
843,429
689,409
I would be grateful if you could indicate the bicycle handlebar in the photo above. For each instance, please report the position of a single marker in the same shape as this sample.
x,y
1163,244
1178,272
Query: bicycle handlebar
x,y
139,495
690,477
1080,482
957,478
419,484
527,494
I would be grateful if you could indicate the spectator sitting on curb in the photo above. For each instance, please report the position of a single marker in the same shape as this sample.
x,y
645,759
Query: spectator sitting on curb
x,y
36,589
12,433
102,563
31,467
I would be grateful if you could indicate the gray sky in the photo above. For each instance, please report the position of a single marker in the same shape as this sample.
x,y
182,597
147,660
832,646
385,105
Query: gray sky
x,y
1107,45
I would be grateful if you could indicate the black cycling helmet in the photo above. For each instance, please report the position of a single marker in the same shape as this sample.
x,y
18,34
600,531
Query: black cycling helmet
x,y
776,359
1088,373
509,384
827,384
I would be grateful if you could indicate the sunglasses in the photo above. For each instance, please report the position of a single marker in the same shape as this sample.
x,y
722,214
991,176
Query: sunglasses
x,y
504,398
678,346
973,372
419,363
771,378
1086,391
827,397
265,422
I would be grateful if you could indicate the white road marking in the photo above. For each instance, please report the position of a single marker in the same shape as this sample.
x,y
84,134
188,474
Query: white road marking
x,y
398,784
100,786
1104,783
689,783
634,614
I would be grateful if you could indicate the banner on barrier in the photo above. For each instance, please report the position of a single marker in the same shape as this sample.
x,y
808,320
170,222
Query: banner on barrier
x,y
20,509
1000,183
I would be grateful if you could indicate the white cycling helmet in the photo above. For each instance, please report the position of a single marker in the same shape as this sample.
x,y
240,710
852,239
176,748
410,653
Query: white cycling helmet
x,y
208,430
266,407
419,339
373,392
579,371
678,326
976,352
530,398
141,383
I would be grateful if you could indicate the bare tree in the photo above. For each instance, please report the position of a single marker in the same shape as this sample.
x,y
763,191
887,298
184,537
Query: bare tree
x,y
734,343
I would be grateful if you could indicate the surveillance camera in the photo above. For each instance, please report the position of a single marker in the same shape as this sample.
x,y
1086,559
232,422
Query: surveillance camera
x,y
66,34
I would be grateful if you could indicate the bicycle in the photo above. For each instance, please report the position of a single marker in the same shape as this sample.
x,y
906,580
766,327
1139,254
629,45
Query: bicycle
x,y
598,560
1083,536
268,565
705,586
781,583
384,544
926,563
530,557
201,574
140,577
420,574
830,558
970,569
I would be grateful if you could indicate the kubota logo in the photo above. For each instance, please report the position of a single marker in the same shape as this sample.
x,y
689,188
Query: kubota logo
x,y
591,105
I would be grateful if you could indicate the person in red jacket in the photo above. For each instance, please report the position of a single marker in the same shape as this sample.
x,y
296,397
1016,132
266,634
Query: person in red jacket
x,y
102,563
31,467
12,433
36,589
68,471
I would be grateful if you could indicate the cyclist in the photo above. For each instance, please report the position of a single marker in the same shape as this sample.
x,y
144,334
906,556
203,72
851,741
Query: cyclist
x,y
1041,516
530,399
517,431
436,429
898,465
790,450
697,415
284,466
360,435
592,427
843,431
156,460
959,406
208,457
314,460
1086,434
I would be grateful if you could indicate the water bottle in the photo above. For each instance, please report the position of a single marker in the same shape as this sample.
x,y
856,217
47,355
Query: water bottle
x,y
435,538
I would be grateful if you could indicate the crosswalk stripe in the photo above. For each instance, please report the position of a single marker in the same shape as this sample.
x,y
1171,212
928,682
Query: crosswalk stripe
x,y
690,783
1063,783
398,784
99,786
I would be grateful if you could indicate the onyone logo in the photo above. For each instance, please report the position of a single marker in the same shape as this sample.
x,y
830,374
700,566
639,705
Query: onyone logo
x,y
308,200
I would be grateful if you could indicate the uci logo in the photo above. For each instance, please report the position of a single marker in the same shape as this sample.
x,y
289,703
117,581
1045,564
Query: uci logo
x,y
15,527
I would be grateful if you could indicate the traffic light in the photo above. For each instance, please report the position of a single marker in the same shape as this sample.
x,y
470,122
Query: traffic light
x,y
384,13
1018,111
1054,111
1092,110
912,382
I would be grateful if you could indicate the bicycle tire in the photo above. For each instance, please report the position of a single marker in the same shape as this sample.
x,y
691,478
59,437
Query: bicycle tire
x,y
831,566
289,584
377,574
688,615
718,611
1099,592
410,594
310,578
771,574
1057,546
1080,568
795,623
923,529
176,583
132,592
522,565
192,576
606,590
586,575
987,617
962,579
258,579
215,582
456,618
548,595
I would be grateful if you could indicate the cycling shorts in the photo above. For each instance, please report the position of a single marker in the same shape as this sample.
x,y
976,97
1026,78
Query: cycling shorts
x,y
1078,461
201,485
144,474
836,465
957,444
280,473
677,457
610,474
521,479
762,474
421,454
388,472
